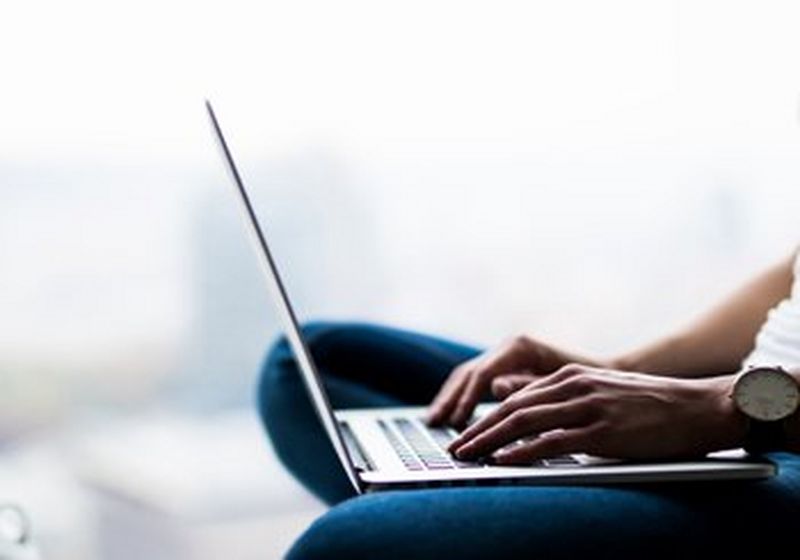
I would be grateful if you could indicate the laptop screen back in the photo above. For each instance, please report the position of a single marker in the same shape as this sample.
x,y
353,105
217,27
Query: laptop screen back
x,y
313,383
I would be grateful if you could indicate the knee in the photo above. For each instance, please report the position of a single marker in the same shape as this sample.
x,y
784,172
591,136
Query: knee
x,y
280,361
313,333
319,336
274,368
279,382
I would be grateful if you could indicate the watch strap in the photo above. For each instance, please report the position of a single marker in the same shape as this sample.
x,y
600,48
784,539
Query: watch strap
x,y
763,437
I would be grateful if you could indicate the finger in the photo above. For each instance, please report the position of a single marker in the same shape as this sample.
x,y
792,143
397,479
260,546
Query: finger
x,y
474,389
560,392
559,379
524,422
478,384
455,374
551,444
448,395
564,373
505,385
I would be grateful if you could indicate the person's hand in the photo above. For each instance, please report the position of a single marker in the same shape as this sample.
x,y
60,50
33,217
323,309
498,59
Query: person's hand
x,y
504,369
607,413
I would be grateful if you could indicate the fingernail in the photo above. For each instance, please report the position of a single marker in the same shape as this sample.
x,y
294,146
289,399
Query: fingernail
x,y
500,456
463,452
455,446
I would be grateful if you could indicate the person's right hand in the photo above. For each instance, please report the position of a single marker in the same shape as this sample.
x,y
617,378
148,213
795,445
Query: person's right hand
x,y
504,369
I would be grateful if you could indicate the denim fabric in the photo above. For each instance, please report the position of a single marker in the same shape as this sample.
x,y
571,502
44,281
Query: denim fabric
x,y
367,365
361,365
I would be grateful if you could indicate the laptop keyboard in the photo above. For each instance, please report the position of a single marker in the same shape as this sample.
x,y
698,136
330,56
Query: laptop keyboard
x,y
430,450
425,448
409,459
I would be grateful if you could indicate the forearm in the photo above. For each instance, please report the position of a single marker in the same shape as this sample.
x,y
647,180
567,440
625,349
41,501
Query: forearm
x,y
719,340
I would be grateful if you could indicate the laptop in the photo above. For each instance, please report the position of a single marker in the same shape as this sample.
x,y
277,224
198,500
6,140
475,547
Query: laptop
x,y
394,448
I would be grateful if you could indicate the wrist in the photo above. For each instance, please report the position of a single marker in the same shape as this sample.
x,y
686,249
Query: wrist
x,y
727,426
768,396
793,433
793,422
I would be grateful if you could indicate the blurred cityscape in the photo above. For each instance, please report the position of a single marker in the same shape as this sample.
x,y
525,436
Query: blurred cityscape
x,y
119,300
131,308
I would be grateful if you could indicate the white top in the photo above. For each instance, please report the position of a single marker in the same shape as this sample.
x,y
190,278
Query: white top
x,y
778,341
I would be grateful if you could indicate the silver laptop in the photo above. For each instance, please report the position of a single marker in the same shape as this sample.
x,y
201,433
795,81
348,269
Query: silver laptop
x,y
390,448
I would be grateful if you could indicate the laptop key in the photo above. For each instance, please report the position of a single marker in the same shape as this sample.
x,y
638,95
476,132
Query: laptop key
x,y
431,455
443,435
407,457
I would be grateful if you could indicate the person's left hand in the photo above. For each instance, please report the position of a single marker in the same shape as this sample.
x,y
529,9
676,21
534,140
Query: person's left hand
x,y
607,413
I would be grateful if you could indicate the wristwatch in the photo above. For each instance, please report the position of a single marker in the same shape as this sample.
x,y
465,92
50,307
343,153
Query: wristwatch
x,y
767,396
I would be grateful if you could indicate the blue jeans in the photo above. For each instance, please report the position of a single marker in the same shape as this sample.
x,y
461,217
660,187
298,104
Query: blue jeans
x,y
367,365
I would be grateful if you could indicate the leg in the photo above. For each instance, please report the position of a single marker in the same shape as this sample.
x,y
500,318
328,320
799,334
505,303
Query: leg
x,y
361,366
687,521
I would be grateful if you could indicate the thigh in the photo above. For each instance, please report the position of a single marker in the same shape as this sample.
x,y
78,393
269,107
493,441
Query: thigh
x,y
405,366
684,521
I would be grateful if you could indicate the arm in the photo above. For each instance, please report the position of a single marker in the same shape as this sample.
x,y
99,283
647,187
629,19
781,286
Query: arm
x,y
713,345
614,412
719,340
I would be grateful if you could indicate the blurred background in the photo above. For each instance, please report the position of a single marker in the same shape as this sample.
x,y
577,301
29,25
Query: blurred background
x,y
595,173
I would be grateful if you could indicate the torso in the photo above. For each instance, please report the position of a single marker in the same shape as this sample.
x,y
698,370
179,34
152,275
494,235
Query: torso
x,y
778,341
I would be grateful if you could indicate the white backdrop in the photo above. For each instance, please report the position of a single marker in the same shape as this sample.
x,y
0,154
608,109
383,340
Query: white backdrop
x,y
592,172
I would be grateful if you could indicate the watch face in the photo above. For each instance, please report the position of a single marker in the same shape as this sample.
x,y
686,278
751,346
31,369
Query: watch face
x,y
767,394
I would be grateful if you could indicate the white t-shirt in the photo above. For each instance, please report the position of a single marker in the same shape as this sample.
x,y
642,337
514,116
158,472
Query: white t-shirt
x,y
778,341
